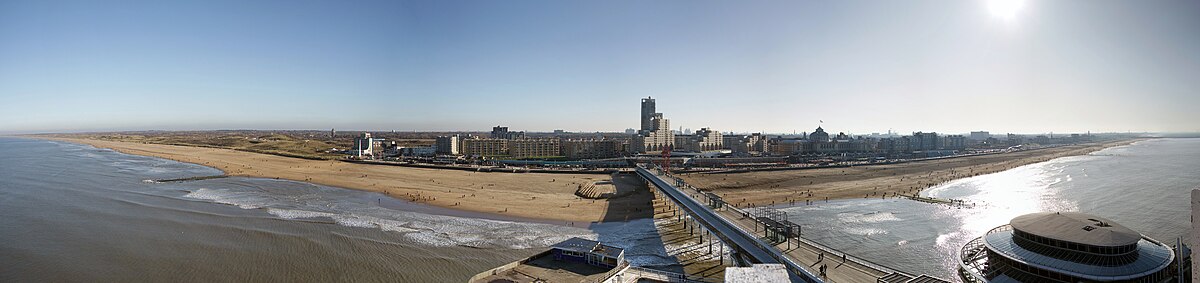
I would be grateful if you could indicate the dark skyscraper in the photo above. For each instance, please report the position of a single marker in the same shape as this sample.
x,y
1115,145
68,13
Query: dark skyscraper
x,y
647,114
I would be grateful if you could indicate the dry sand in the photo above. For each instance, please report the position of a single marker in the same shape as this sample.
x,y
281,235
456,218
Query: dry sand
x,y
527,195
779,187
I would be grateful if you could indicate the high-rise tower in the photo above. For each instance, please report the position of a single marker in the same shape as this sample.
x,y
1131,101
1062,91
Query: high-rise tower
x,y
655,134
648,114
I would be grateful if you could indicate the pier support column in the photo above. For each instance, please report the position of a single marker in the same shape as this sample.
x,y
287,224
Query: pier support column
x,y
721,255
709,243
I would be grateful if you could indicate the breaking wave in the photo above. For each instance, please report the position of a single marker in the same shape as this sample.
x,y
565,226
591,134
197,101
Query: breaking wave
x,y
346,208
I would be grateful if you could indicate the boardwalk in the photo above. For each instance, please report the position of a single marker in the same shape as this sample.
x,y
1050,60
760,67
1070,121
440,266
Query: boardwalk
x,y
747,235
746,244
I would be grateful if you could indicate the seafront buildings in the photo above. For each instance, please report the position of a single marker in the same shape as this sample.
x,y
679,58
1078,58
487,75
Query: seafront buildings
x,y
655,136
704,139
364,146
591,149
499,132
447,145
745,145
532,148
1066,247
484,147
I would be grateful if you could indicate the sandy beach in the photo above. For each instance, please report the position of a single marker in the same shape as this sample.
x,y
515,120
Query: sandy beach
x,y
874,181
525,195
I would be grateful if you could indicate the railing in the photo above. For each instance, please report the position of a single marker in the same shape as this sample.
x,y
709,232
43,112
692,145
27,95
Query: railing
x,y
749,238
608,275
676,277
823,248
973,261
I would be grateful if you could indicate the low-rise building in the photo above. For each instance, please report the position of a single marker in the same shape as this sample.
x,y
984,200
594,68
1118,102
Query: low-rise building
x,y
954,142
481,147
588,251
704,139
417,151
528,148
591,149
782,146
925,141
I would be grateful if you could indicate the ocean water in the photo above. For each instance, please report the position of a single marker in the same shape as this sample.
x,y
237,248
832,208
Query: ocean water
x,y
1144,186
71,212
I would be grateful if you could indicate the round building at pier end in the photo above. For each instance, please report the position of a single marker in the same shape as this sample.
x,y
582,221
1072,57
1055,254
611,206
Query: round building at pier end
x,y
1065,247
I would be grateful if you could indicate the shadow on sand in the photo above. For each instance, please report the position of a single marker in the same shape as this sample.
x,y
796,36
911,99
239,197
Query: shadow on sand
x,y
628,223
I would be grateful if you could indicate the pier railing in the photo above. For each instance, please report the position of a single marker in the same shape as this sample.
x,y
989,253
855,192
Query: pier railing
x,y
819,246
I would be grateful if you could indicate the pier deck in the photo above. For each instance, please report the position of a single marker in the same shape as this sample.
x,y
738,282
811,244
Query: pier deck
x,y
796,252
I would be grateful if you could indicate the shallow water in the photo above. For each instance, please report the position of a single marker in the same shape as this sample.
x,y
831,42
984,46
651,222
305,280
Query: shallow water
x,y
1144,186
72,212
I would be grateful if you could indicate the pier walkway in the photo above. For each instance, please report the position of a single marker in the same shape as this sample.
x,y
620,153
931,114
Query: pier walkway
x,y
765,236
744,245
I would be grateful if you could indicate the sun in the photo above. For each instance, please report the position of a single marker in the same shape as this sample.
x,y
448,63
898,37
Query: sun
x,y
1005,9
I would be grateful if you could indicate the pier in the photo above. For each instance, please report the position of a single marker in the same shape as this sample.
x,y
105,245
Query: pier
x,y
765,236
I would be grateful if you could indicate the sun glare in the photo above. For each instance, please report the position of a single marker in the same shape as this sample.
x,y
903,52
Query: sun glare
x,y
1005,9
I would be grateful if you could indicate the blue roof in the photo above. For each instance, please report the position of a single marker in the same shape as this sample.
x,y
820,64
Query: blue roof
x,y
1152,257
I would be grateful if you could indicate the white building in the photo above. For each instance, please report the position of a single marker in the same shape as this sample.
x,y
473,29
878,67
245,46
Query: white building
x,y
703,140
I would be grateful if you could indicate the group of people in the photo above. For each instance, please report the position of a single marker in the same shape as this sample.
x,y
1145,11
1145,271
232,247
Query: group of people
x,y
824,267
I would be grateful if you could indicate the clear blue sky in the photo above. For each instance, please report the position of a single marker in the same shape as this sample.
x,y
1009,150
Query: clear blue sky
x,y
775,66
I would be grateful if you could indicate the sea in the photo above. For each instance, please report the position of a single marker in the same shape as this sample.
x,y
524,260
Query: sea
x,y
73,212
1144,186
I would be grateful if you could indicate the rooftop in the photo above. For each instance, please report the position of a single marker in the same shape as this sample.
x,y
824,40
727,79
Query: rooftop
x,y
588,246
1151,257
1077,228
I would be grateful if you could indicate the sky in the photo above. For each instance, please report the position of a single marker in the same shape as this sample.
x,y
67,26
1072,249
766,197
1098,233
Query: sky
x,y
1005,66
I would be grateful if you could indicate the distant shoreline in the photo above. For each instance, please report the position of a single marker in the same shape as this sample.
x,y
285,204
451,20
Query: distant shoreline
x,y
796,187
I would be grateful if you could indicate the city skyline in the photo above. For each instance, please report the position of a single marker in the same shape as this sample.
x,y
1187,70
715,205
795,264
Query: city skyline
x,y
948,67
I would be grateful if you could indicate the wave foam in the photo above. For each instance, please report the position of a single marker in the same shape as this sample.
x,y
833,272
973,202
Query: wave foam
x,y
872,217
305,202
225,197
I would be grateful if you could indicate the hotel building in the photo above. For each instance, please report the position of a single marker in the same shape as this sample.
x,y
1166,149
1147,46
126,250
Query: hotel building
x,y
484,147
591,149
527,148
